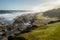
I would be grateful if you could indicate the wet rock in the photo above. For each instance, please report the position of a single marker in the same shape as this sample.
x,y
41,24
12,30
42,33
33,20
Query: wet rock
x,y
21,23
24,21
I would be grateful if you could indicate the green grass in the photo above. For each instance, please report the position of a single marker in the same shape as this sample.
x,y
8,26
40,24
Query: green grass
x,y
51,32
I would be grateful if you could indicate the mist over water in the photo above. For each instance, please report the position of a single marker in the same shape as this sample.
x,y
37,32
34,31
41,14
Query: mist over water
x,y
47,6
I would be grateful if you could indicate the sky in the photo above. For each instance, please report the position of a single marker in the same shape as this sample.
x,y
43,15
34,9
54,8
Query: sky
x,y
23,4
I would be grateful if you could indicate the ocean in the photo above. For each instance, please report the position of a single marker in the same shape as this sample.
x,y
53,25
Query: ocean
x,y
8,16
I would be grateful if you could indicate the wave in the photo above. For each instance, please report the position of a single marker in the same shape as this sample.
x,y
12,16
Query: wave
x,y
9,17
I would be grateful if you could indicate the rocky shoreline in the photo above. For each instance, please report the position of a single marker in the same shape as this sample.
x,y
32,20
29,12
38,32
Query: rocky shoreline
x,y
20,23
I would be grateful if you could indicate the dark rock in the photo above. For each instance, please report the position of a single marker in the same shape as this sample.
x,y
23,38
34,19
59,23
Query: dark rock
x,y
21,24
16,38
52,13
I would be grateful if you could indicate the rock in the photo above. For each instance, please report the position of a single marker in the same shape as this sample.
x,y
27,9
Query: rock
x,y
24,21
20,24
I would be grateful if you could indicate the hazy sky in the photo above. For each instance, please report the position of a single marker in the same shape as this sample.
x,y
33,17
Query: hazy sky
x,y
21,4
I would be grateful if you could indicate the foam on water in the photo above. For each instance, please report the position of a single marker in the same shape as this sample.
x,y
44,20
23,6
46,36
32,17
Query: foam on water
x,y
8,17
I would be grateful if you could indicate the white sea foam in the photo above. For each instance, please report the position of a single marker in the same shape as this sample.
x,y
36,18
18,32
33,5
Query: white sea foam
x,y
9,17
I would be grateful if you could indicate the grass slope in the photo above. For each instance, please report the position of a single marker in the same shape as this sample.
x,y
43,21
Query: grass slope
x,y
52,32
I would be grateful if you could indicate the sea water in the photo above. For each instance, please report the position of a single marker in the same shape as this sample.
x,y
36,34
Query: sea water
x,y
8,17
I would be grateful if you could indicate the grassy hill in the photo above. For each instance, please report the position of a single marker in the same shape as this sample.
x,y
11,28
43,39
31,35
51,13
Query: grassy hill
x,y
51,32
